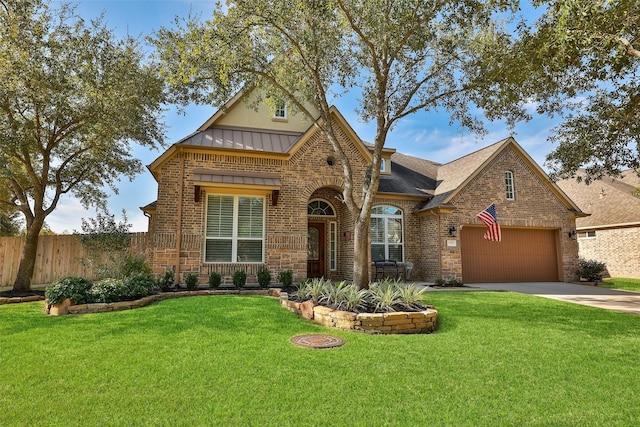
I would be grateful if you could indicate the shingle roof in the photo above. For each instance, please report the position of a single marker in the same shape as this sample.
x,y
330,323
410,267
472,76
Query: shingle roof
x,y
609,201
452,175
243,139
404,180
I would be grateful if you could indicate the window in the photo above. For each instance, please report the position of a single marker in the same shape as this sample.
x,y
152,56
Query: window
x,y
281,110
510,191
333,246
587,234
234,229
319,208
387,233
383,165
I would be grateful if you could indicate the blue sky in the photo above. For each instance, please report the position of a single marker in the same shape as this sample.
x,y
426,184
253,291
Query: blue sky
x,y
426,135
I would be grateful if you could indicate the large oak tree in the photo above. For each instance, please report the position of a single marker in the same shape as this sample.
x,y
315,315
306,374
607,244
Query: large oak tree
x,y
581,60
73,98
401,56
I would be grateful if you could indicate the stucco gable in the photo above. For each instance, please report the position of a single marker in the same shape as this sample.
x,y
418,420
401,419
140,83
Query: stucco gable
x,y
249,109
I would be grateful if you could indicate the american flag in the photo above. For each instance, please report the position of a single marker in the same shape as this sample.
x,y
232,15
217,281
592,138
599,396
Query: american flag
x,y
488,216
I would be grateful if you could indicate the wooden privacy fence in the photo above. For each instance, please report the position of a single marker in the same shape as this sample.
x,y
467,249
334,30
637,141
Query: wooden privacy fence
x,y
58,256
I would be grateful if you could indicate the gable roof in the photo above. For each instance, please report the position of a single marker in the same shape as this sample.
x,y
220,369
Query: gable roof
x,y
452,177
610,201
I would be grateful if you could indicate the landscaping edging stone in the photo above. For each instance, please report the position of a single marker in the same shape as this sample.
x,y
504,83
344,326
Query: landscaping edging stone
x,y
402,322
15,300
68,307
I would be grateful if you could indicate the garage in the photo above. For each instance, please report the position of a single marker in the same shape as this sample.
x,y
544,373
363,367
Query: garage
x,y
523,255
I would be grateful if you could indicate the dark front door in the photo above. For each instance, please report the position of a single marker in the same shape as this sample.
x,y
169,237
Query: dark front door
x,y
315,250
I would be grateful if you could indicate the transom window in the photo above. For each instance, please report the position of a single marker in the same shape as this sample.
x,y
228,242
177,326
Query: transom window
x,y
387,240
320,208
234,229
509,186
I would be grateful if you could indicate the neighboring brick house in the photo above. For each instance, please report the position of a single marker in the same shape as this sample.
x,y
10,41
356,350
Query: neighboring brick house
x,y
611,233
252,187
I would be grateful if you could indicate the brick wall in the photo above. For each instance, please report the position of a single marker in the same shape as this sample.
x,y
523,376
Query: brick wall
x,y
617,247
535,205
307,175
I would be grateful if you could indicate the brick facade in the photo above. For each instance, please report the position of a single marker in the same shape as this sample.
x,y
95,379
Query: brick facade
x,y
617,248
305,174
534,206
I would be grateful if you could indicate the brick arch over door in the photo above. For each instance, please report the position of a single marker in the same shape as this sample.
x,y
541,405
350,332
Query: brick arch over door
x,y
331,182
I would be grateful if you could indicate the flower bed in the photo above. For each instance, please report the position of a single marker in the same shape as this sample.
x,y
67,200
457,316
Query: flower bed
x,y
419,322
68,307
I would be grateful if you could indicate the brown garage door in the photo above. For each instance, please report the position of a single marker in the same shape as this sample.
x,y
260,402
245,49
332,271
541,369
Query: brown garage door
x,y
523,255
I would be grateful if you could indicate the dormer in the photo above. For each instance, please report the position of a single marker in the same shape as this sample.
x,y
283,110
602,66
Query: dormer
x,y
385,163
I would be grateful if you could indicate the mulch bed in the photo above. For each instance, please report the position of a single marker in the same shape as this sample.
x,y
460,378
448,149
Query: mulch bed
x,y
21,294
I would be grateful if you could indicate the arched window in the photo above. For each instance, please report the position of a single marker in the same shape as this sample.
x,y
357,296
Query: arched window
x,y
387,233
509,186
320,208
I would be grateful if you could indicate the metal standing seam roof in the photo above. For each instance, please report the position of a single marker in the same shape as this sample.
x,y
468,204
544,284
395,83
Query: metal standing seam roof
x,y
243,139
236,177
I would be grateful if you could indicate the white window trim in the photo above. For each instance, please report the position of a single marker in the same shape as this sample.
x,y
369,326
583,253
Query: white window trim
x,y
277,109
510,193
586,234
333,239
322,200
386,230
234,234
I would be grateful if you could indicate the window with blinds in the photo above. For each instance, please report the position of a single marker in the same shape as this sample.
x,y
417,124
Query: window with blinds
x,y
234,229
387,234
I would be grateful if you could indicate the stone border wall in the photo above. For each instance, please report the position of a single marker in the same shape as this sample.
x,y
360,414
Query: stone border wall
x,y
419,322
67,306
15,300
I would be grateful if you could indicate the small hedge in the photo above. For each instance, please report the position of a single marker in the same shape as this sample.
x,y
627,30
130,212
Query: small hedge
x,y
74,288
83,291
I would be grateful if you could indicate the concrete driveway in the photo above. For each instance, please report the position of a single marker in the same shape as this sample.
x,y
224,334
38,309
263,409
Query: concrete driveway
x,y
610,299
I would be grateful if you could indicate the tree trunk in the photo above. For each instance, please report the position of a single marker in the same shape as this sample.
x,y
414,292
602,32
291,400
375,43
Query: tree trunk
x,y
28,261
361,254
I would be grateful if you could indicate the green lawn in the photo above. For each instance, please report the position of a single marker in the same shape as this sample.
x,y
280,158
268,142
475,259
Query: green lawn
x,y
497,359
621,283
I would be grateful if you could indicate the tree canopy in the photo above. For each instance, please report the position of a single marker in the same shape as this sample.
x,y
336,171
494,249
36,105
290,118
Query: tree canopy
x,y
73,98
402,56
581,60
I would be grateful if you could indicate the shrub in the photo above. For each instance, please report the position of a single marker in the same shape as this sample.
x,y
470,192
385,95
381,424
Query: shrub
x,y
214,280
239,278
451,281
106,242
264,277
133,265
591,270
138,286
191,281
74,288
286,278
108,290
166,281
